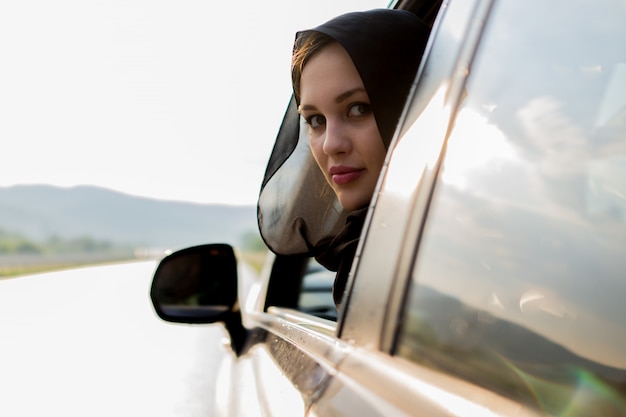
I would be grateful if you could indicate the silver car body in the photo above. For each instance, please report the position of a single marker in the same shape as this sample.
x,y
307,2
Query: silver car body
x,y
503,197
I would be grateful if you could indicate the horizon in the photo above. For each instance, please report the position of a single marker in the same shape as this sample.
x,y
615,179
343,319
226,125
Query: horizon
x,y
78,187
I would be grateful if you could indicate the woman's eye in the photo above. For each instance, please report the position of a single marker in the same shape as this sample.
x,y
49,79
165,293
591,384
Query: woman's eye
x,y
359,109
315,121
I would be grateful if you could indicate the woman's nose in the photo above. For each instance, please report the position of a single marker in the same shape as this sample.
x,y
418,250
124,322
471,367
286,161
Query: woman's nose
x,y
337,138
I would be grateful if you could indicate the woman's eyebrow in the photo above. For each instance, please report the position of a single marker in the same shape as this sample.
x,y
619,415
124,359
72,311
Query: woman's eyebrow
x,y
306,107
344,96
339,99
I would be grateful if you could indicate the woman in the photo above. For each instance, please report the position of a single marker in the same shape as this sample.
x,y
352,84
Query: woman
x,y
351,77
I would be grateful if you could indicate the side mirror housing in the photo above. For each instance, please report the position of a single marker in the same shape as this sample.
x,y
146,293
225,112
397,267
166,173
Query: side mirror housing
x,y
196,285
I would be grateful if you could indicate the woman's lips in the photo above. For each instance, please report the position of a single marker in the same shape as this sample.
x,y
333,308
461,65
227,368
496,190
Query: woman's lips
x,y
343,175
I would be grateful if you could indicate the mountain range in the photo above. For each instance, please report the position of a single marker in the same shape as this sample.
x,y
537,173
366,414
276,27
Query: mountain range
x,y
42,211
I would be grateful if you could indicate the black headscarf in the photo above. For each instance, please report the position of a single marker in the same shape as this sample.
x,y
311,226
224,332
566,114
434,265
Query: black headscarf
x,y
298,212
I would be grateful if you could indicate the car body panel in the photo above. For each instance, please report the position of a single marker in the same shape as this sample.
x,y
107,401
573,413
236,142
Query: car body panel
x,y
371,384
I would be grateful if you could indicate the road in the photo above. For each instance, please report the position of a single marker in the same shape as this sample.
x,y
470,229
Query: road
x,y
86,342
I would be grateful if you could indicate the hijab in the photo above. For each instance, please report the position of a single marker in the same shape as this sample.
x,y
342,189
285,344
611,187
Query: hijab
x,y
298,212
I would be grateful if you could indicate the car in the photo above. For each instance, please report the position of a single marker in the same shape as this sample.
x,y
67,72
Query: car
x,y
490,276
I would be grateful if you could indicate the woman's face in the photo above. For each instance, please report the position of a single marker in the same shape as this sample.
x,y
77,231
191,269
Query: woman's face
x,y
345,140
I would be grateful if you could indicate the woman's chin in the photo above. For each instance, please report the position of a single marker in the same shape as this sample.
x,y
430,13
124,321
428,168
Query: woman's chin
x,y
353,202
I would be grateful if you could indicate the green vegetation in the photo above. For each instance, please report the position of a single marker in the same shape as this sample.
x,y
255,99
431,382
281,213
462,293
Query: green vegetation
x,y
13,244
253,250
20,255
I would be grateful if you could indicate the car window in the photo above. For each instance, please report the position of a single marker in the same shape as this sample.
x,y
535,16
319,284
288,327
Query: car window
x,y
299,282
518,284
316,291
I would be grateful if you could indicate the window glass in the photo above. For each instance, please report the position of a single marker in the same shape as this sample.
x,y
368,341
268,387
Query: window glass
x,y
520,281
316,291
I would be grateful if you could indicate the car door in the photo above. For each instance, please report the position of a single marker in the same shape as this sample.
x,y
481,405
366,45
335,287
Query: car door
x,y
505,292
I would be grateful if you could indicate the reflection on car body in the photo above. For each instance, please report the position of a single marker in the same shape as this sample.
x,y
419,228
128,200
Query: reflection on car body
x,y
489,280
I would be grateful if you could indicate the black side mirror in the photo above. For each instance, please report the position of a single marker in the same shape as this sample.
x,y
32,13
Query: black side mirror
x,y
196,285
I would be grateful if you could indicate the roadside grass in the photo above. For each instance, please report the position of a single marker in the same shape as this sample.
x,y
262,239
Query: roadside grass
x,y
21,269
256,259
18,270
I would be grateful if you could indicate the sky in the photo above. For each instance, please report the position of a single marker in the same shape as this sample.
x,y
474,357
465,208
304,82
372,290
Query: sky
x,y
174,100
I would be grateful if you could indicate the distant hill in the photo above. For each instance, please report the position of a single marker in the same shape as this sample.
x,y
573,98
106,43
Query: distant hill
x,y
41,211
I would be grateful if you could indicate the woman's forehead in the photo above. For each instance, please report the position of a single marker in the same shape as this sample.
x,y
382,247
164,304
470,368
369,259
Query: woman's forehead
x,y
330,71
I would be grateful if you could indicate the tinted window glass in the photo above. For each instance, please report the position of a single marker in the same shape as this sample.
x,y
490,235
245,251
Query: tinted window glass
x,y
519,284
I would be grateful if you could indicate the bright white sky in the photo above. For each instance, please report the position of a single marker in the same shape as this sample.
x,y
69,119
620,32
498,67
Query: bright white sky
x,y
176,100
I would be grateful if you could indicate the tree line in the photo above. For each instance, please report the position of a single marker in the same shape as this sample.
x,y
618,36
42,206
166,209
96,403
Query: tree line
x,y
16,244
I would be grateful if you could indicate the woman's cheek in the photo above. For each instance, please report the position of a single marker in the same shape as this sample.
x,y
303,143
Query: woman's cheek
x,y
316,150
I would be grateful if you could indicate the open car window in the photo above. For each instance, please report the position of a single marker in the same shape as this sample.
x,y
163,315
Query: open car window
x,y
316,292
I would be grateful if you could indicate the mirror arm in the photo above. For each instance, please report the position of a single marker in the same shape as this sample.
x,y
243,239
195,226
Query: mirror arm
x,y
238,333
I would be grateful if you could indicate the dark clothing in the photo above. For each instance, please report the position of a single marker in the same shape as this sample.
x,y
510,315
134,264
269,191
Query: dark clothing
x,y
339,253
